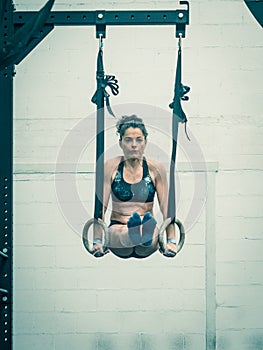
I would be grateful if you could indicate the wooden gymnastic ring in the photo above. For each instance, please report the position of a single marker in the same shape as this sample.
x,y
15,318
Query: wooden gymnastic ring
x,y
161,233
88,244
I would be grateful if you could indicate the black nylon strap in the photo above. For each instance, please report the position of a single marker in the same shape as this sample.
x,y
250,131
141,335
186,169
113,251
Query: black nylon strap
x,y
98,98
178,116
180,91
104,82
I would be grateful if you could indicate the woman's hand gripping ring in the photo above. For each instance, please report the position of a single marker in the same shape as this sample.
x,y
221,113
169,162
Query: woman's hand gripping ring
x,y
162,240
88,243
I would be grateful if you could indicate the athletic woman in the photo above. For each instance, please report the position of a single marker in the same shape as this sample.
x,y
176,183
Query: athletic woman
x,y
133,182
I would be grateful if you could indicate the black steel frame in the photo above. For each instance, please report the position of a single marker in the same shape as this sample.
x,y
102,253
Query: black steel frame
x,y
103,18
11,22
256,8
6,192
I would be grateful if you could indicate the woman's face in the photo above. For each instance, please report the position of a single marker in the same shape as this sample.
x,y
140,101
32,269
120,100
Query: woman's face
x,y
133,143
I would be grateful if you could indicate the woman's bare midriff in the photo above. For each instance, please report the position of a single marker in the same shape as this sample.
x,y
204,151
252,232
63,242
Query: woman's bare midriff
x,y
122,211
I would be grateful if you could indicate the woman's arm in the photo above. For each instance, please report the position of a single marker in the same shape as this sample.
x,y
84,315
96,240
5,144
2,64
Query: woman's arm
x,y
108,168
161,185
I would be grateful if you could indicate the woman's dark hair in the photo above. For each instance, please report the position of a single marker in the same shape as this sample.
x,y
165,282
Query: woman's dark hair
x,y
130,121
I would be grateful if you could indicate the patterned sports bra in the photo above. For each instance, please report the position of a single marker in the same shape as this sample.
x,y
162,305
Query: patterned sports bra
x,y
142,191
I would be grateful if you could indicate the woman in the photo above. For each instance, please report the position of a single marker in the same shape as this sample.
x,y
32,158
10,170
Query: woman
x,y
132,182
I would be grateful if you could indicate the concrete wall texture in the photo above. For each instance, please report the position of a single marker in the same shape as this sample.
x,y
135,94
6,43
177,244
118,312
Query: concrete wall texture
x,y
210,295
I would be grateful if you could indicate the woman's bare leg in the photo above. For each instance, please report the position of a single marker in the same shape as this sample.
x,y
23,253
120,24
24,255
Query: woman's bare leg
x,y
121,245
144,251
119,238
119,241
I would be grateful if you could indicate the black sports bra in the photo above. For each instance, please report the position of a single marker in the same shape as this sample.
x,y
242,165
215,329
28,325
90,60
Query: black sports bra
x,y
142,191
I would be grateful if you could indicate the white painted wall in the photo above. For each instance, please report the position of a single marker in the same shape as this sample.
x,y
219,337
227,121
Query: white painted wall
x,y
64,298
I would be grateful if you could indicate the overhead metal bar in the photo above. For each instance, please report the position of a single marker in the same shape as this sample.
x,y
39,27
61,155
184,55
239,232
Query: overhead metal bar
x,y
85,18
101,18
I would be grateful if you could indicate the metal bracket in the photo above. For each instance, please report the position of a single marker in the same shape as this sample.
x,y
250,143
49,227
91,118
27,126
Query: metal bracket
x,y
183,20
100,24
47,28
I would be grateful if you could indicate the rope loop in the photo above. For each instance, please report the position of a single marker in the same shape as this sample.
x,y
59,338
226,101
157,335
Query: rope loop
x,y
162,240
88,244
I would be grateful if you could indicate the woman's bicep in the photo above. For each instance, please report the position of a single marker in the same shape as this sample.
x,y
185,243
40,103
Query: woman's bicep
x,y
108,169
106,194
161,186
107,185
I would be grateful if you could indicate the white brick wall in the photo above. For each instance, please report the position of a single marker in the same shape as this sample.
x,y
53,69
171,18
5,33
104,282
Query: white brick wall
x,y
63,298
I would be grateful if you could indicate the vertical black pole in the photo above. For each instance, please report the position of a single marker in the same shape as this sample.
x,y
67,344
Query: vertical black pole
x,y
99,182
6,182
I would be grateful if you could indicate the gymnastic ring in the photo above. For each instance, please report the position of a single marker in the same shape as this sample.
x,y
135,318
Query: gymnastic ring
x,y
162,229
88,244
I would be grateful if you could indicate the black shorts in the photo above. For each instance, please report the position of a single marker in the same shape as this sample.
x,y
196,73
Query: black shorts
x,y
115,222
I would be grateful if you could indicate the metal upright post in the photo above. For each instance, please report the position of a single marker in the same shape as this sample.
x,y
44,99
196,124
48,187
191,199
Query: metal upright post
x,y
6,177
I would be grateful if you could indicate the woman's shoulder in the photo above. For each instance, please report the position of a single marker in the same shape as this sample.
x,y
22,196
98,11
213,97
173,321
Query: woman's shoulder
x,y
155,166
111,164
